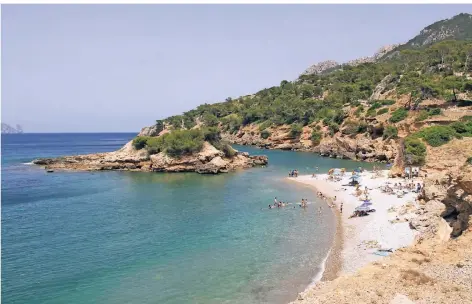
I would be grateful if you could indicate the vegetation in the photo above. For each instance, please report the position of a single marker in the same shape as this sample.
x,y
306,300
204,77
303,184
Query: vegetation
x,y
425,114
421,73
140,142
469,160
315,137
437,135
295,130
415,151
265,134
398,115
390,132
353,127
382,111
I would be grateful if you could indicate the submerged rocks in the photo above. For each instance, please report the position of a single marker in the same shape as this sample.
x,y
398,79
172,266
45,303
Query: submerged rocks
x,y
208,160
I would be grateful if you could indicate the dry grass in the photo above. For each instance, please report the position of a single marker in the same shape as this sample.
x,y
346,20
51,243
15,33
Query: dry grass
x,y
420,261
416,277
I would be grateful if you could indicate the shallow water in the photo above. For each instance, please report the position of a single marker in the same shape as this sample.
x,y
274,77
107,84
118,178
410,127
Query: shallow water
x,y
127,237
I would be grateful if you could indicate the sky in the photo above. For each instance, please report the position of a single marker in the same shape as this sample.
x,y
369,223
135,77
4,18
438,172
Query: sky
x,y
118,68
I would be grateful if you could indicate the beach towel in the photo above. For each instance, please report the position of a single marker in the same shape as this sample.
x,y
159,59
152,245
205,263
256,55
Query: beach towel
x,y
381,253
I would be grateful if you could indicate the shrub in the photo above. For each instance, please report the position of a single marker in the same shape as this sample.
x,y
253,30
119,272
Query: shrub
x,y
182,142
176,143
140,142
382,111
387,102
398,115
466,118
371,112
434,111
469,160
228,150
464,103
211,134
264,125
155,145
265,134
437,135
362,127
358,111
415,151
422,115
390,132
462,128
333,128
459,127
315,137
295,130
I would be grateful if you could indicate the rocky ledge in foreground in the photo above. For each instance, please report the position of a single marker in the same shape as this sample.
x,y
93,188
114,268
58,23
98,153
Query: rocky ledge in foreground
x,y
208,160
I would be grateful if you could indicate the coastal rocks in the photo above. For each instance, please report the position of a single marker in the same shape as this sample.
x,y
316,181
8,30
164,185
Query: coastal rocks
x,y
359,148
208,160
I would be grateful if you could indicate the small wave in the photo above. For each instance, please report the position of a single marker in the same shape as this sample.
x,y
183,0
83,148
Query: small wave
x,y
30,163
320,273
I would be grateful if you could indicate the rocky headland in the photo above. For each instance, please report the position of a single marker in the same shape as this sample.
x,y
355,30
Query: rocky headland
x,y
207,160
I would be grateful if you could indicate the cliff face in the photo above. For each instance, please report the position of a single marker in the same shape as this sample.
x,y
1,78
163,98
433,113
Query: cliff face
x,y
7,129
208,160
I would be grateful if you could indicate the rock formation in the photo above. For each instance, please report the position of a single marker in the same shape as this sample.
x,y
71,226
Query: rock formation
x,y
7,129
208,160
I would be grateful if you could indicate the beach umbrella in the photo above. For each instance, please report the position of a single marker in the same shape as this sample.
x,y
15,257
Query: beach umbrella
x,y
355,178
366,204
362,208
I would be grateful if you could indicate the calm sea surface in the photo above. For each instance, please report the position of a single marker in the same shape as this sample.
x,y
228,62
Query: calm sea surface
x,y
127,237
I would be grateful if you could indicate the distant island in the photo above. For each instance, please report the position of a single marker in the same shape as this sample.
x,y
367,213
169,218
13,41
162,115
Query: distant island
x,y
7,129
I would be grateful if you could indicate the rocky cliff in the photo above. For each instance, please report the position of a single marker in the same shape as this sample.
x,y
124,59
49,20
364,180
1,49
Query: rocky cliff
x,y
7,129
207,160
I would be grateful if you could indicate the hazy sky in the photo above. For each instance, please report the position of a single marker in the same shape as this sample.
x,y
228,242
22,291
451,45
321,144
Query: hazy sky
x,y
98,68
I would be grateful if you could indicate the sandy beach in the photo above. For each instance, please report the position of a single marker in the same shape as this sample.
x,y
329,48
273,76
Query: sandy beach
x,y
359,238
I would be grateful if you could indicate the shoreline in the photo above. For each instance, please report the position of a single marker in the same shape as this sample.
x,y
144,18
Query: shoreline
x,y
357,239
331,265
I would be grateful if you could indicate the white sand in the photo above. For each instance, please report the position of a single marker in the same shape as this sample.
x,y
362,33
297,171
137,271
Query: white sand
x,y
374,228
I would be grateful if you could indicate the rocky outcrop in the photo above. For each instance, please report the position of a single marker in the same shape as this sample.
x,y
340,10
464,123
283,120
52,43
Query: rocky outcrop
x,y
321,67
358,147
382,87
208,160
7,129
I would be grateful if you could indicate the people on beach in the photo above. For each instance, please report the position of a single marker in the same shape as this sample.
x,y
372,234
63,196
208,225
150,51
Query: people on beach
x,y
341,208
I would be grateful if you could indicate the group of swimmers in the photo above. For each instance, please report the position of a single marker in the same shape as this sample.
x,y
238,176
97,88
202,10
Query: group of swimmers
x,y
293,173
280,204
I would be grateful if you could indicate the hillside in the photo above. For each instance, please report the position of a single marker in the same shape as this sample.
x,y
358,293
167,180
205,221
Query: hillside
x,y
458,27
359,112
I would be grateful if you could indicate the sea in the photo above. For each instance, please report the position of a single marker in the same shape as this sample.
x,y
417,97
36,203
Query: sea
x,y
140,237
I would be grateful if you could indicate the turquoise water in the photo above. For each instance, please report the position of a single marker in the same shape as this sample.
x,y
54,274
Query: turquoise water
x,y
127,237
